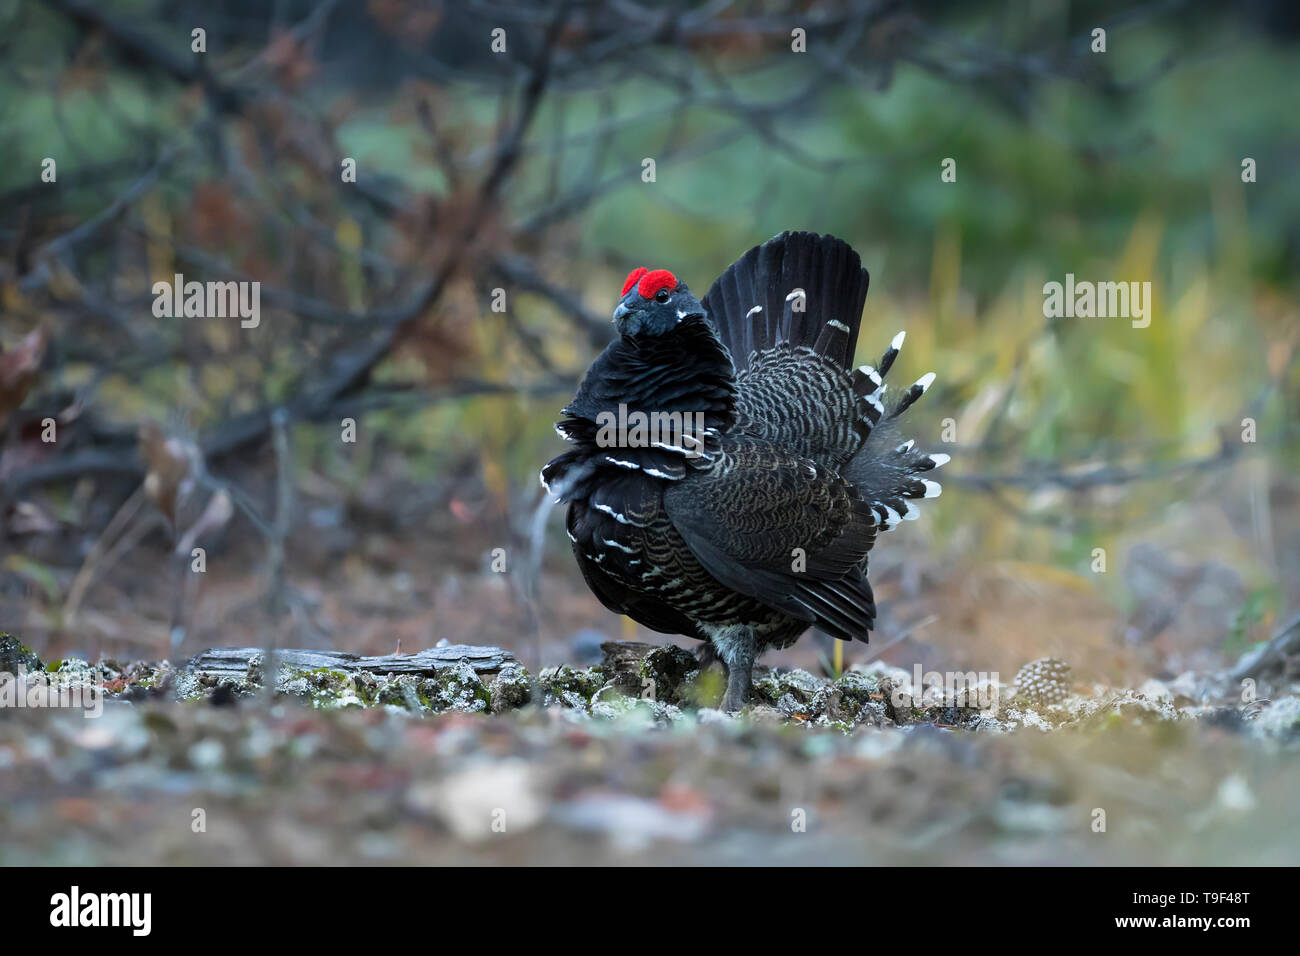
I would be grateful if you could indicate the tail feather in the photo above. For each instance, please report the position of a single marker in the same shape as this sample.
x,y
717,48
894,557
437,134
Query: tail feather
x,y
886,474
834,336
913,393
769,277
891,353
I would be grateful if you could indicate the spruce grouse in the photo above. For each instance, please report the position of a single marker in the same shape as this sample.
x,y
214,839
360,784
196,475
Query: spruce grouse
x,y
731,468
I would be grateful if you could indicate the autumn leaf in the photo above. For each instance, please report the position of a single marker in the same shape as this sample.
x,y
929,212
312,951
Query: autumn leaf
x,y
18,370
168,464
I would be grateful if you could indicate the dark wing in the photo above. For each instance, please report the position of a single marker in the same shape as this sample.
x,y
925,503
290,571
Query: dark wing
x,y
644,609
779,528
597,523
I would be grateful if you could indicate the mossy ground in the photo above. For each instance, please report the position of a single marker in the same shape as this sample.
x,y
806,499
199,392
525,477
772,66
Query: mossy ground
x,y
588,766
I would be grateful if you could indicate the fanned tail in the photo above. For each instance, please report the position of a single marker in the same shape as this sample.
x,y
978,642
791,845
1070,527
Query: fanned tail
x,y
799,288
801,293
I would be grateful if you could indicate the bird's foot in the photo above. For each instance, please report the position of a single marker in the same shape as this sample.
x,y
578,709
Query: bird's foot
x,y
736,697
736,647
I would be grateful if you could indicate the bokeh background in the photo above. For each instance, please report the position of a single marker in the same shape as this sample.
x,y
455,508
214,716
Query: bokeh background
x,y
522,171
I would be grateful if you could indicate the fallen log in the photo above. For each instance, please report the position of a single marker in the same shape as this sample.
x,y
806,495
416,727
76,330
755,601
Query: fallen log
x,y
234,662
1270,659
451,676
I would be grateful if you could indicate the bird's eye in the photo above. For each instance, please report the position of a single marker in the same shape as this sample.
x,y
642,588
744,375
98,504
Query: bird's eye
x,y
662,295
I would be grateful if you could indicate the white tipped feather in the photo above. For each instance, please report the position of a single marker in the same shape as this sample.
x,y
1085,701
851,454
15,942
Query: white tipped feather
x,y
757,308
932,488
926,380
940,459
612,513
906,446
898,341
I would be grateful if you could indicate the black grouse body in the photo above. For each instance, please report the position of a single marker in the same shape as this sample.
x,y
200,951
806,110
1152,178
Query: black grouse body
x,y
731,469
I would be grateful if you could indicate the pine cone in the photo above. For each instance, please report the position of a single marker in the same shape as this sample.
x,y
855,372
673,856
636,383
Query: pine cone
x,y
1045,681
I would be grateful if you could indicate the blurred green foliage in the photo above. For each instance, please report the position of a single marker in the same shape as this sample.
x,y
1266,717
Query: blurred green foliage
x,y
1137,180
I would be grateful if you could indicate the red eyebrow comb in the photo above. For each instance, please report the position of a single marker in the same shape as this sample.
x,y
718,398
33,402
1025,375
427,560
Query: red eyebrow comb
x,y
652,282
632,278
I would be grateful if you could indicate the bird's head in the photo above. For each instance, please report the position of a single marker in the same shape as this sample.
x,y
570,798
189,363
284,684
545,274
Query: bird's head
x,y
654,303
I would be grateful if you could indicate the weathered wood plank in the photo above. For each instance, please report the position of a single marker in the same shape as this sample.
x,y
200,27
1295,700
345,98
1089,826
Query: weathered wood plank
x,y
233,662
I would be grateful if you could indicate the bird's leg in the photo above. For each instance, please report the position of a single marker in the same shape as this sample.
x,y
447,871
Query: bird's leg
x,y
706,655
736,648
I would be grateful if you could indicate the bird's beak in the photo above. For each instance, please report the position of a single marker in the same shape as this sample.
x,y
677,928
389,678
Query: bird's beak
x,y
621,313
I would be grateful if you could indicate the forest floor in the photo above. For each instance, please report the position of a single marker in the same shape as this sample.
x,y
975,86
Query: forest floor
x,y
454,762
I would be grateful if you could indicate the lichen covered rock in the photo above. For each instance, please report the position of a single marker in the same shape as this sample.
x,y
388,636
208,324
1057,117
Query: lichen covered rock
x,y
510,689
569,686
16,656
